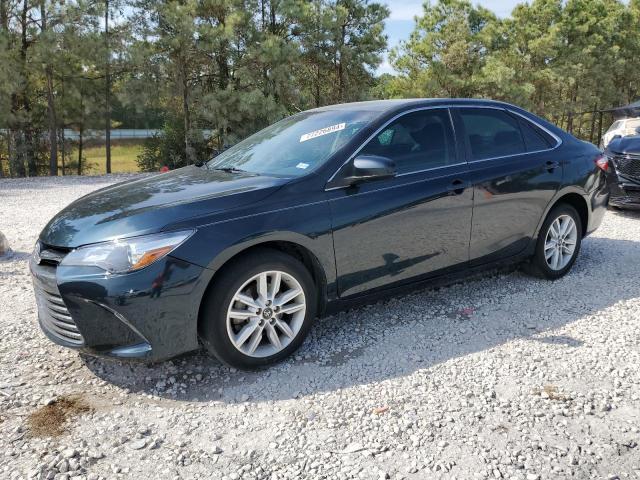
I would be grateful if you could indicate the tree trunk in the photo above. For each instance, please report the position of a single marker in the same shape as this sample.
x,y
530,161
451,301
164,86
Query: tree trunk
x,y
273,16
9,157
189,152
80,153
340,82
4,16
51,117
317,93
1,162
29,151
343,35
51,109
62,150
16,153
107,96
571,111
187,123
19,101
223,73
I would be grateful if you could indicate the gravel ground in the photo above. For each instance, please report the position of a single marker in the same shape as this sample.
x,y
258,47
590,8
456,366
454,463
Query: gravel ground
x,y
499,377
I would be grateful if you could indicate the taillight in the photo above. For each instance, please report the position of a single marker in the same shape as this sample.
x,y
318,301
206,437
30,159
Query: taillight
x,y
603,163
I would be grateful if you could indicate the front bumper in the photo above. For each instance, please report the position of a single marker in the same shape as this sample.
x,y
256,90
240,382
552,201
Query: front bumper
x,y
148,315
625,193
624,183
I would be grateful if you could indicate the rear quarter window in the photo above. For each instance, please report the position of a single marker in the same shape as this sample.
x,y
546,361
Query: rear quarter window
x,y
534,137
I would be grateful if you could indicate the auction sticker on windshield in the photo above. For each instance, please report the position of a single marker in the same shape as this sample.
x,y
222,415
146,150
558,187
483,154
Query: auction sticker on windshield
x,y
322,131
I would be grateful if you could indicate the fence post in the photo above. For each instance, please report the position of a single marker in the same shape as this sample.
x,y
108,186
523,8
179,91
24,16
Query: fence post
x,y
593,123
600,128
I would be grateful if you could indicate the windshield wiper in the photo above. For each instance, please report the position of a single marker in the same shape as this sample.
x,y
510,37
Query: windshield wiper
x,y
230,169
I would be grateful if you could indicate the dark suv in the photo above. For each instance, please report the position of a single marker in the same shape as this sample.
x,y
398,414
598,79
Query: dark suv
x,y
319,211
624,180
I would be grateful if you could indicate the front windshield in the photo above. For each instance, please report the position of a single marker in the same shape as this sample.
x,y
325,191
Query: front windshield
x,y
614,126
296,145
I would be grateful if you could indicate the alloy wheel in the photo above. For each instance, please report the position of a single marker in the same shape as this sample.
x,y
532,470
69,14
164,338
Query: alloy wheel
x,y
266,314
560,242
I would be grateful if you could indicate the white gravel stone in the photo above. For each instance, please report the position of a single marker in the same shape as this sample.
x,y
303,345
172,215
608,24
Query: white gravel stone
x,y
4,245
501,376
138,444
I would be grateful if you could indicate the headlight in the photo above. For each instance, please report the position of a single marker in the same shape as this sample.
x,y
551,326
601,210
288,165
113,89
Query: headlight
x,y
127,254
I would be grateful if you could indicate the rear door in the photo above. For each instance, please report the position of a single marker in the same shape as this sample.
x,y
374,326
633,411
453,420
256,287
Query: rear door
x,y
417,223
515,173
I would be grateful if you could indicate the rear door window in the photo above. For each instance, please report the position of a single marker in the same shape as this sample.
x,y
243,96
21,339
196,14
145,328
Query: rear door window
x,y
491,133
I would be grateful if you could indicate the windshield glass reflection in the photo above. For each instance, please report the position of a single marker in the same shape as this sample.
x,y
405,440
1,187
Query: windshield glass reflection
x,y
296,145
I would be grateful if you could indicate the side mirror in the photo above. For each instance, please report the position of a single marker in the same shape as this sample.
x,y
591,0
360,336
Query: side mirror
x,y
365,168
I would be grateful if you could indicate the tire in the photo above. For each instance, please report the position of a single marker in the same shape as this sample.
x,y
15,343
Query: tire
x,y
539,265
254,325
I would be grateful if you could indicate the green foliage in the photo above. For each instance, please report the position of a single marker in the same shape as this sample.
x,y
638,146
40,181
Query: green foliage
x,y
553,57
167,149
445,52
226,66
235,66
231,67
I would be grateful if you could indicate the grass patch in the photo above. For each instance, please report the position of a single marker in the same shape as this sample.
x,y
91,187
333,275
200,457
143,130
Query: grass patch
x,y
123,158
50,420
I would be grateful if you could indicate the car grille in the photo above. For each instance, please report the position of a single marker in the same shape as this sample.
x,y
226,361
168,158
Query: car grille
x,y
628,165
633,194
56,318
52,311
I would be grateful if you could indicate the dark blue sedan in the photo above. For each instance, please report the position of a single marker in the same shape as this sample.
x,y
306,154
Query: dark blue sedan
x,y
322,210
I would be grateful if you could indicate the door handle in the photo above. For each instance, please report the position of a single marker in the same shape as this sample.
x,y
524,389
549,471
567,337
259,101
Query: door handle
x,y
552,165
457,187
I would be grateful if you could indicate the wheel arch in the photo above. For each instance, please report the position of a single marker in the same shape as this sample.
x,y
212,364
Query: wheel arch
x,y
297,248
576,200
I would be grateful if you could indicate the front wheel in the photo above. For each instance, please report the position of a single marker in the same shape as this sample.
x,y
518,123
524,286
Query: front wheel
x,y
558,243
259,310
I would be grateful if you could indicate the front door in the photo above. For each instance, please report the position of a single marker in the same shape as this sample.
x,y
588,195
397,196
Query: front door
x,y
412,225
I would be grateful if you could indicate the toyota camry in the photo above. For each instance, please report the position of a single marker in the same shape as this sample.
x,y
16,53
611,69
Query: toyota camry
x,y
319,211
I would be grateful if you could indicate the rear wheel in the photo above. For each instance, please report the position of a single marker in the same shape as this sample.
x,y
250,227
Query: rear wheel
x,y
259,310
558,243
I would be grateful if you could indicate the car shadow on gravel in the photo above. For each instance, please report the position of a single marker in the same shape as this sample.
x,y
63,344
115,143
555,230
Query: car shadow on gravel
x,y
394,338
634,214
560,340
14,256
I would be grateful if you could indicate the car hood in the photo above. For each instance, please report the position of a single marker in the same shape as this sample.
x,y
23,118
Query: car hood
x,y
625,145
149,204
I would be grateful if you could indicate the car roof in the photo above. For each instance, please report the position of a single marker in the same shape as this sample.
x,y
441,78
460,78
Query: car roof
x,y
400,104
387,108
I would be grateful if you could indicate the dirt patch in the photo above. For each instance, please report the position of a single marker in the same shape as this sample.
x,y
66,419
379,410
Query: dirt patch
x,y
51,420
551,392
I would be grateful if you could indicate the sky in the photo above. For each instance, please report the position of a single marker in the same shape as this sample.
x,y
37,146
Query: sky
x,y
400,23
